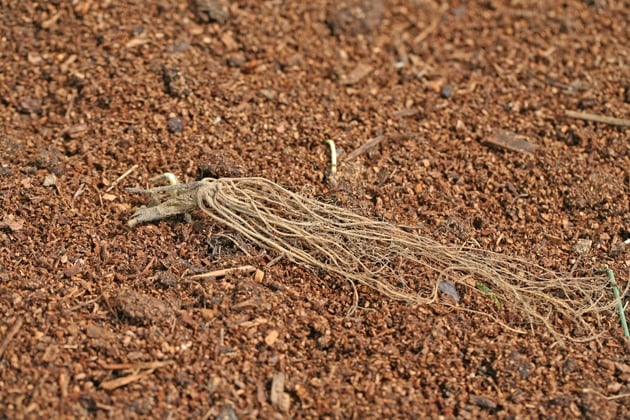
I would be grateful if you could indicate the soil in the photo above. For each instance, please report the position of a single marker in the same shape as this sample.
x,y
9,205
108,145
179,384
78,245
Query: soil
x,y
469,101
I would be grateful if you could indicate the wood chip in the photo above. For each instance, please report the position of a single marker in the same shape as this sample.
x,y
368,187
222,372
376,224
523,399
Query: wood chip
x,y
272,337
75,131
259,275
136,42
63,384
507,140
356,75
279,399
49,180
51,21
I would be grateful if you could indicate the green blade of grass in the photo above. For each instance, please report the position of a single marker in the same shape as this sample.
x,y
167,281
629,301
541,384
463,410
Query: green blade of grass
x,y
615,289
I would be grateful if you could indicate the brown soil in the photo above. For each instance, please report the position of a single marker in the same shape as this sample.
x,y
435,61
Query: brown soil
x,y
99,319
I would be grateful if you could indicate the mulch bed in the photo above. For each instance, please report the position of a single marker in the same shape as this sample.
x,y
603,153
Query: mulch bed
x,y
487,123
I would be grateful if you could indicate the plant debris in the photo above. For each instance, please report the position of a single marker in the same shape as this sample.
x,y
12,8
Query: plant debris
x,y
395,261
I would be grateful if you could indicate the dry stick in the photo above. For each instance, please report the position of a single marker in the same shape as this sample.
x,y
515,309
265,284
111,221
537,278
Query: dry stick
x,y
138,366
224,272
432,26
125,380
394,261
364,147
598,118
12,332
120,178
375,142
609,398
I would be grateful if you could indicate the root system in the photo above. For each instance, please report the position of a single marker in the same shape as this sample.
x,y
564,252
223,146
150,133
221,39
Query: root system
x,y
398,262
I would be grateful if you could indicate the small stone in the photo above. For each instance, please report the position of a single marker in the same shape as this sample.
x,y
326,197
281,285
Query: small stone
x,y
223,163
209,11
269,94
167,279
446,92
174,125
30,105
236,59
449,289
355,17
138,308
175,82
483,402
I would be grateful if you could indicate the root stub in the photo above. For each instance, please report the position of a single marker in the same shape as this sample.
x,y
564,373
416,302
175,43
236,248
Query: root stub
x,y
396,262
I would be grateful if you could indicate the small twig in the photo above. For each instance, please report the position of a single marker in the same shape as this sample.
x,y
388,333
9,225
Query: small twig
x,y
364,147
145,271
375,142
136,366
12,332
598,118
120,178
551,81
615,289
236,242
79,191
224,272
613,397
82,304
125,380
432,26
175,187
274,261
